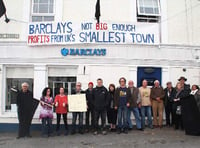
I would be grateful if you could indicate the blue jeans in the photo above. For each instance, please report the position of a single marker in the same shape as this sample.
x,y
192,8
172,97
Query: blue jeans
x,y
74,118
146,110
135,111
122,117
46,126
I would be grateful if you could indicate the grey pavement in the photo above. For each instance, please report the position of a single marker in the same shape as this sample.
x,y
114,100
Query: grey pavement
x,y
149,138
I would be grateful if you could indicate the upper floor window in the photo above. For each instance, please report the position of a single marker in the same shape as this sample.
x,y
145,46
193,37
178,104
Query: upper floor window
x,y
148,10
43,10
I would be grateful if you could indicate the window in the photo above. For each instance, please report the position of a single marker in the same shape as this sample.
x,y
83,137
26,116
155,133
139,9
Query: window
x,y
148,10
68,83
62,76
43,10
15,76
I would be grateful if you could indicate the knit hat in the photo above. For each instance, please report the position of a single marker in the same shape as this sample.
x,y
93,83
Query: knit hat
x,y
90,83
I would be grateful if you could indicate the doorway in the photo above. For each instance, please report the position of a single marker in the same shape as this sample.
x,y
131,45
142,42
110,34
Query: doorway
x,y
68,83
150,74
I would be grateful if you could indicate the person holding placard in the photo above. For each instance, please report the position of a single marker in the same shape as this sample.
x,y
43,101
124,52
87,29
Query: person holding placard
x,y
46,112
79,114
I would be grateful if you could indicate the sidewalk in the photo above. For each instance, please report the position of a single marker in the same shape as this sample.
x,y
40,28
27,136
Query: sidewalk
x,y
155,138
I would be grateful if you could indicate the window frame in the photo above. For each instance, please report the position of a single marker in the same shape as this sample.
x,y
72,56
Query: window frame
x,y
148,14
4,111
33,14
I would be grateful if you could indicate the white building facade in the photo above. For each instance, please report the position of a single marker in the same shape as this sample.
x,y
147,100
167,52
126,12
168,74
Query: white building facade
x,y
159,41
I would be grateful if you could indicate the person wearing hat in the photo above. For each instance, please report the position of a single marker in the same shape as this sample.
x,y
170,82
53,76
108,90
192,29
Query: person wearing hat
x,y
186,87
90,107
191,112
182,92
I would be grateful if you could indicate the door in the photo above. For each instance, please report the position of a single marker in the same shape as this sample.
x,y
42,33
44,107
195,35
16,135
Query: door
x,y
150,74
68,83
68,87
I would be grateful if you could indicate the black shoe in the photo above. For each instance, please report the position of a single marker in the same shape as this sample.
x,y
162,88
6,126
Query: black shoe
x,y
29,136
73,132
119,131
50,135
19,137
58,133
87,130
81,132
140,129
130,129
125,131
45,136
114,130
66,133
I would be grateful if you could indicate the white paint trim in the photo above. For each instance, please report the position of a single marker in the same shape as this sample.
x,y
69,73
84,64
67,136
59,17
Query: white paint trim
x,y
1,89
164,22
3,103
58,10
26,18
133,10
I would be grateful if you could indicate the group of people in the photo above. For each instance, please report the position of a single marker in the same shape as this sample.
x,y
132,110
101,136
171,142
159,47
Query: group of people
x,y
117,104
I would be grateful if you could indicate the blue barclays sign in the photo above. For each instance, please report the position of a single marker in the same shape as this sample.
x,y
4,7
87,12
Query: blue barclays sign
x,y
83,52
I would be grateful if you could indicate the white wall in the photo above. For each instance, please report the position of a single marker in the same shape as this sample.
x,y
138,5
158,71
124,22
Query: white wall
x,y
192,74
183,22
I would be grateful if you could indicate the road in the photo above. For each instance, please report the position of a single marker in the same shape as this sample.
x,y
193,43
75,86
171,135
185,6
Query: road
x,y
149,138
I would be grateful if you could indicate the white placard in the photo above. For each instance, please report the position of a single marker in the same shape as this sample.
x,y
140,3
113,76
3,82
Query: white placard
x,y
77,103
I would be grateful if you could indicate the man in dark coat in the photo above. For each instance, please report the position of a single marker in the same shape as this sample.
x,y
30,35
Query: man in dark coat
x,y
134,104
100,96
186,87
90,107
191,113
170,94
25,111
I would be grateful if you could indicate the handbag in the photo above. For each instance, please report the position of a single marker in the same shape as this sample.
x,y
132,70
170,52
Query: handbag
x,y
178,110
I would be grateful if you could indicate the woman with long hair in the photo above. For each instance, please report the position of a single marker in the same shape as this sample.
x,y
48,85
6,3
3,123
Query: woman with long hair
x,y
111,112
46,112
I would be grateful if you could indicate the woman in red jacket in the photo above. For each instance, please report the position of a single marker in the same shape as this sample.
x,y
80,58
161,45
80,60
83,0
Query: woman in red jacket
x,y
61,104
